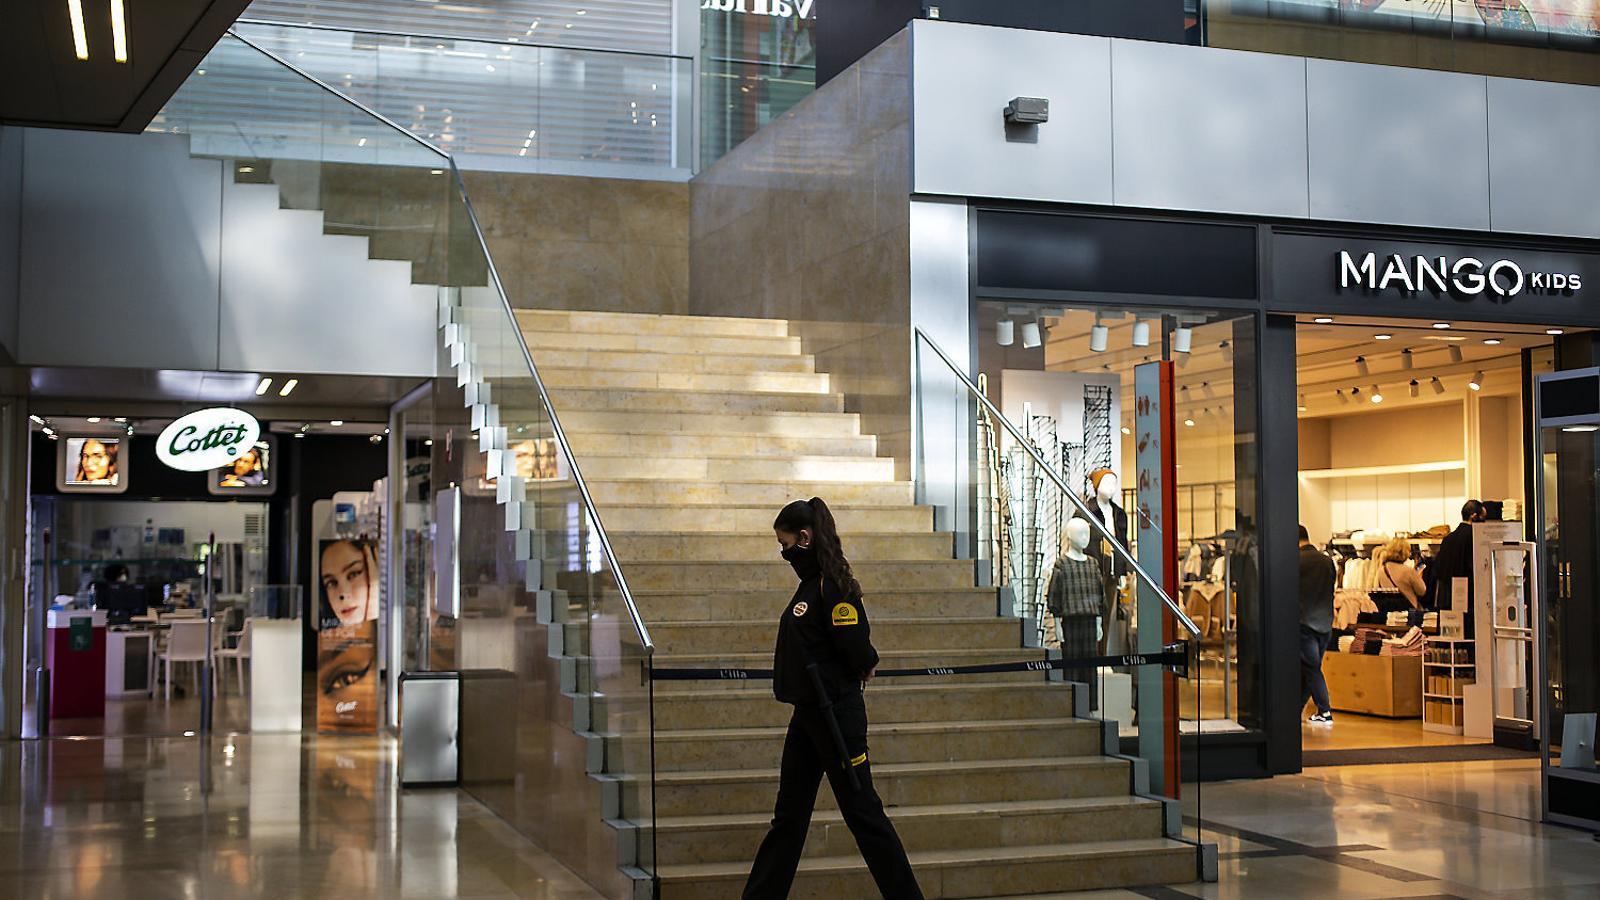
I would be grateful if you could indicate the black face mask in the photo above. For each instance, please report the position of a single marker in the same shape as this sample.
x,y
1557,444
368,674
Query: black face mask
x,y
803,559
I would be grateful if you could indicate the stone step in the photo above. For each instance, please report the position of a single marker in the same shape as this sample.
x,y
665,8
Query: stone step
x,y
586,322
740,382
717,469
954,826
754,545
900,742
680,576
944,874
729,444
767,605
699,360
891,659
969,701
905,784
712,637
784,424
623,518
772,494
667,400
659,343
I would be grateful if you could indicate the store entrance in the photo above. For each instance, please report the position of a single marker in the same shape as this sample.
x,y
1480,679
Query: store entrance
x,y
1405,428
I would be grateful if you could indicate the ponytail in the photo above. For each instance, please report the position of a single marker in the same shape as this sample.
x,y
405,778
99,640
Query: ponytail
x,y
814,514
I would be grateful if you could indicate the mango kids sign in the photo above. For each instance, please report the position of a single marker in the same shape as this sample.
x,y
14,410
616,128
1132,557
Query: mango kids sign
x,y
207,439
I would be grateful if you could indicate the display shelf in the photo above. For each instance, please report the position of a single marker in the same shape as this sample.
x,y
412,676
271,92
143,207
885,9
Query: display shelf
x,y
1445,713
1441,697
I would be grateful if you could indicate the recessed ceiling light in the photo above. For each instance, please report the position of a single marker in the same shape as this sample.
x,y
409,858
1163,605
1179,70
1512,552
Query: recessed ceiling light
x,y
120,420
336,422
288,387
93,420
1382,337
1492,342
36,420
247,169
299,434
80,38
1323,320
119,32
1127,430
264,386
1441,325
1189,423
1581,429
1554,331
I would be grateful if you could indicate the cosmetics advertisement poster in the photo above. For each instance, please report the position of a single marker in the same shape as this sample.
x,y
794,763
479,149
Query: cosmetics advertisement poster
x,y
347,636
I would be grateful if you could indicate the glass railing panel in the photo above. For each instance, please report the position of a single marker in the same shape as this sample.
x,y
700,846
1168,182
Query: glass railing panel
x,y
510,106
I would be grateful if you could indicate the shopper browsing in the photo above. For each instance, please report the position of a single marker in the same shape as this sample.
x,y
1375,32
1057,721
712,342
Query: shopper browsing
x,y
1316,625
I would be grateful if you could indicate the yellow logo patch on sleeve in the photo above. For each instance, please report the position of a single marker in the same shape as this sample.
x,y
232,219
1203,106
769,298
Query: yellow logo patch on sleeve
x,y
845,614
858,760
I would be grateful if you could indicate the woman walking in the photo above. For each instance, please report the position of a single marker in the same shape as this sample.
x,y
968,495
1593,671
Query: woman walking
x,y
825,624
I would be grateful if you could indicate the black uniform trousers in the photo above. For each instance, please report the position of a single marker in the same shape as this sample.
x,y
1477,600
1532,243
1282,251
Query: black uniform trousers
x,y
808,752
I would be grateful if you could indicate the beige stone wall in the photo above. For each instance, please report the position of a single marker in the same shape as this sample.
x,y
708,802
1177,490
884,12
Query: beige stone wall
x,y
565,242
809,220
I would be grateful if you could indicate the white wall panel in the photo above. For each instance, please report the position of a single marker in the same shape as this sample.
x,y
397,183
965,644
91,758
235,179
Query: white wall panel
x,y
1544,157
1232,138
119,256
962,78
295,299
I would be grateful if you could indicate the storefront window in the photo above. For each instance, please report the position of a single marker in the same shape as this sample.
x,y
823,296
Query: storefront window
x,y
754,67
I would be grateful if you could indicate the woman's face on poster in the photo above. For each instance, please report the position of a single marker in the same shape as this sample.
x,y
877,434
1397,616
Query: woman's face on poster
x,y
347,582
95,461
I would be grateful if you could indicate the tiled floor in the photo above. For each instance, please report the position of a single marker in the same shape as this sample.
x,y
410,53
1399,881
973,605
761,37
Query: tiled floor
x,y
285,817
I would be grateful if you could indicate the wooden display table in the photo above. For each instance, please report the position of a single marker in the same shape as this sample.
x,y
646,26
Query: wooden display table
x,y
1374,685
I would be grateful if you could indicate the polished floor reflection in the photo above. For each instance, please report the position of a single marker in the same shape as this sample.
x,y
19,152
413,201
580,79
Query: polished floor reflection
x,y
286,817
279,816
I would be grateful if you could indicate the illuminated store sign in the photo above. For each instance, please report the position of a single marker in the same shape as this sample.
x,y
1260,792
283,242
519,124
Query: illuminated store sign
x,y
1464,276
207,439
779,9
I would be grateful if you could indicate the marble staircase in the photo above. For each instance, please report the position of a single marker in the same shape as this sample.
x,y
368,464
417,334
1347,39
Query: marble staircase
x,y
691,433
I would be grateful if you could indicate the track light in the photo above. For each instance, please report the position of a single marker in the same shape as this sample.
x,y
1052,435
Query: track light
x,y
1227,351
1030,335
1099,336
1455,354
1477,381
1355,393
1005,332
1301,406
36,420
1182,339
1141,333
1438,386
1343,400
1362,367
1415,389
1406,359
1377,395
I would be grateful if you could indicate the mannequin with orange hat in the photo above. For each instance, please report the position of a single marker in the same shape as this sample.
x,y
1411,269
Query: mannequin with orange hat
x,y
1110,516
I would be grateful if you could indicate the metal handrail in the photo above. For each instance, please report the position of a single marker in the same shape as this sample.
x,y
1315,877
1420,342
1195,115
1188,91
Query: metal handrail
x,y
555,423
1077,502
544,396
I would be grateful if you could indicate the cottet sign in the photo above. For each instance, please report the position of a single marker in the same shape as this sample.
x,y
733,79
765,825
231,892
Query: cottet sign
x,y
207,439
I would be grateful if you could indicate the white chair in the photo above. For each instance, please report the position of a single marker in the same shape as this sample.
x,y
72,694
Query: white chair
x,y
239,653
186,643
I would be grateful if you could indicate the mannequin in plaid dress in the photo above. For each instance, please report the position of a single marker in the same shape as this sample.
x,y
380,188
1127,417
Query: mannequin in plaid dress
x,y
1075,596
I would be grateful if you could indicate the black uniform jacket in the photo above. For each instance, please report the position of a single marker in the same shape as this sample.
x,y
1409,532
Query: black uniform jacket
x,y
821,625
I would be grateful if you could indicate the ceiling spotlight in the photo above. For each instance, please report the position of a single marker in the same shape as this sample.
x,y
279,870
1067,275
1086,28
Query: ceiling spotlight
x,y
1355,393
1189,423
1406,360
1377,395
36,420
1301,406
1442,326
93,420
264,386
1141,333
375,438
1491,342
299,434
1438,386
1127,430
1361,366
336,422
1227,351
1030,335
120,420
1415,389
1581,429
1005,332
1455,354
1554,331
1323,320
1182,339
130,431
428,442
1099,338
49,431
1343,400
1477,381
1382,337
288,387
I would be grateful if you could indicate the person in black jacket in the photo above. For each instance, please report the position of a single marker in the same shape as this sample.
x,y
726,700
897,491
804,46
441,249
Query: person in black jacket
x,y
1453,560
825,623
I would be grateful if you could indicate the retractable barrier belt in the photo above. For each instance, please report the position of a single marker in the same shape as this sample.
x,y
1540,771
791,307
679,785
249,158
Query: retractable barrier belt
x,y
1174,655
